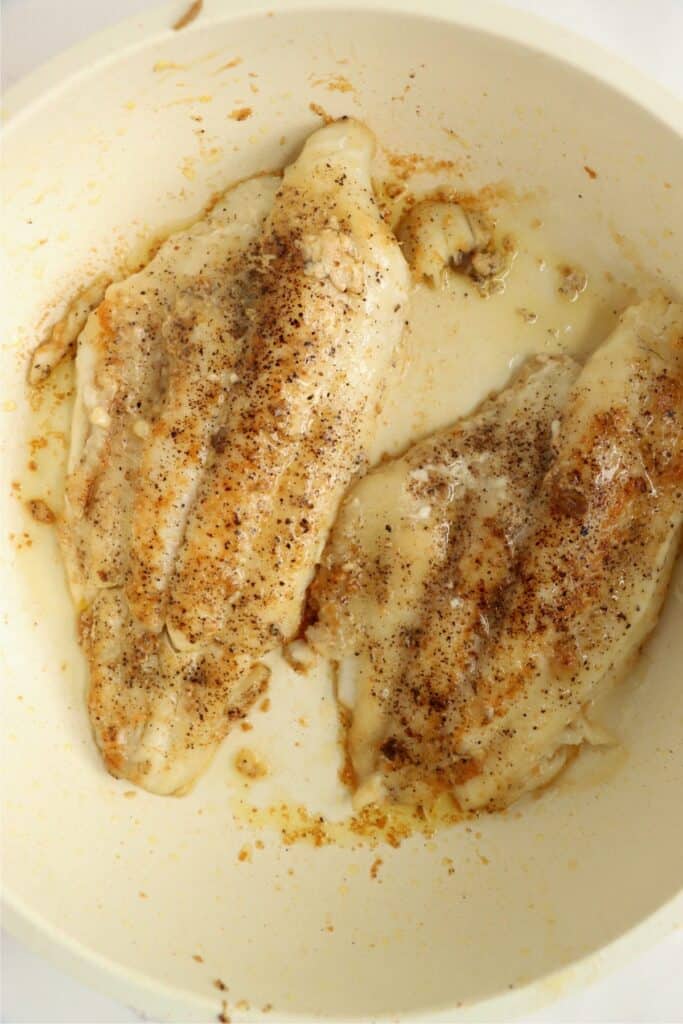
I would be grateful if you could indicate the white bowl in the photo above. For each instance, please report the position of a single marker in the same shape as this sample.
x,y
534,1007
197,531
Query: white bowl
x,y
101,150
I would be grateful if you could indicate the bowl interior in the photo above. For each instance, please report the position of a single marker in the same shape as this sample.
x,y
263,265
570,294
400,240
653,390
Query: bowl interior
x,y
139,140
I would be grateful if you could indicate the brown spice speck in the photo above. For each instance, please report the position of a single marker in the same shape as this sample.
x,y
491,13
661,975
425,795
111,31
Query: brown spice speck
x,y
334,83
199,959
376,865
37,444
240,113
406,165
189,15
220,985
320,112
393,189
589,171
41,511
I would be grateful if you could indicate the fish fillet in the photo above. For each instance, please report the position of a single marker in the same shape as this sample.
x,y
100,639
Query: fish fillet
x,y
411,578
593,575
477,604
157,356
225,397
324,331
155,365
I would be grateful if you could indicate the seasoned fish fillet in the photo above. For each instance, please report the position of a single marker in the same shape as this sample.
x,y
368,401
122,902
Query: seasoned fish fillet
x,y
225,397
593,575
155,366
325,328
412,574
152,707
157,358
481,591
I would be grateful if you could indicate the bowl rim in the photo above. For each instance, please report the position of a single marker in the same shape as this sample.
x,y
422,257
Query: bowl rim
x,y
501,21
493,17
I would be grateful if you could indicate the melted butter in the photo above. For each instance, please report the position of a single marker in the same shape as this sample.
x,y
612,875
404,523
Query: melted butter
x,y
297,732
458,346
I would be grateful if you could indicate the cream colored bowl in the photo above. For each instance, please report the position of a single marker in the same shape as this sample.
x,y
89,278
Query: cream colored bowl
x,y
148,898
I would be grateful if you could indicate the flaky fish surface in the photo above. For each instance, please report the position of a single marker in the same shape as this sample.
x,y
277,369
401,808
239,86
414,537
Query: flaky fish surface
x,y
481,592
411,579
225,400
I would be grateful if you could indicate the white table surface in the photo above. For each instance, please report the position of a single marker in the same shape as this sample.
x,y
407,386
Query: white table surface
x,y
648,33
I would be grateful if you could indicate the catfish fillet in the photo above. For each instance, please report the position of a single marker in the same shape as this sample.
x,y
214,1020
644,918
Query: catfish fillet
x,y
225,399
480,592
